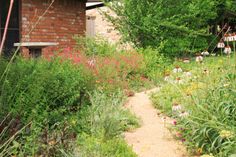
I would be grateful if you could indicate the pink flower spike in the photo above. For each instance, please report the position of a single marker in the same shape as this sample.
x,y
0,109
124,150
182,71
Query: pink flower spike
x,y
67,49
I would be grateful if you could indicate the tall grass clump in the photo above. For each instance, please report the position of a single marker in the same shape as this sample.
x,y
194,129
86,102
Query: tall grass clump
x,y
102,125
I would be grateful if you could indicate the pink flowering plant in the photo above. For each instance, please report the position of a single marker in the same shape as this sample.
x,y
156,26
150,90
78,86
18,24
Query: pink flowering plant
x,y
123,69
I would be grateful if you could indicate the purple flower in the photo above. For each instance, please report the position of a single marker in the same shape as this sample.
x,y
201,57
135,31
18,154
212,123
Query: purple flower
x,y
174,122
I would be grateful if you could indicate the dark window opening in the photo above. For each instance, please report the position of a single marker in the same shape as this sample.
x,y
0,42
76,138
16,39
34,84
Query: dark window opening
x,y
13,28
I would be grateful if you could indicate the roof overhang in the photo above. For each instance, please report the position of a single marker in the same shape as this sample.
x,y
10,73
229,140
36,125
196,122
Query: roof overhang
x,y
92,4
94,0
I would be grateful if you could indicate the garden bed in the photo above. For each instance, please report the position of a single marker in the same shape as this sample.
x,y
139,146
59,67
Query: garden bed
x,y
201,98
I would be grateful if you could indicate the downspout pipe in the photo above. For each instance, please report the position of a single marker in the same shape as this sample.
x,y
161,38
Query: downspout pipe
x,y
6,26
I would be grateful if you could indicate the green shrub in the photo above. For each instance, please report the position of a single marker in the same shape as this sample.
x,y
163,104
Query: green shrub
x,y
155,63
96,46
47,95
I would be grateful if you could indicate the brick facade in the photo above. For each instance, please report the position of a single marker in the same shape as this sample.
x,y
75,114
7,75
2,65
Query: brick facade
x,y
63,20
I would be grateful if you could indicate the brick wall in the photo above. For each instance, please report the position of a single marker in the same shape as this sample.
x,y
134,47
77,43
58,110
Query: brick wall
x,y
64,19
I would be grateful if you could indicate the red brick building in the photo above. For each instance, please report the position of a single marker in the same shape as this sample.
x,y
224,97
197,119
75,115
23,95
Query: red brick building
x,y
63,20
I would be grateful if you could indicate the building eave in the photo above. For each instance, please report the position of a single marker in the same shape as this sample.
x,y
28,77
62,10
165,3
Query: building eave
x,y
94,5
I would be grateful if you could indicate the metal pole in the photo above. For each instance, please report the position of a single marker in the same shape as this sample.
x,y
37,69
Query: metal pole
x,y
6,26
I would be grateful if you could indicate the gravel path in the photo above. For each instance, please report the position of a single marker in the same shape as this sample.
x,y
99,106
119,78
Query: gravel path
x,y
152,139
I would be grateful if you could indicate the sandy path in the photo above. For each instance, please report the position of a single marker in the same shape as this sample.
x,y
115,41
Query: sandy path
x,y
152,139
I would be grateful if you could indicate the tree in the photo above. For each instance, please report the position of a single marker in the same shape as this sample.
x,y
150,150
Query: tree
x,y
179,26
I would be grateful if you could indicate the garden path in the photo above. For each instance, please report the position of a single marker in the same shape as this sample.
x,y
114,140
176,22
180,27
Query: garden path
x,y
152,139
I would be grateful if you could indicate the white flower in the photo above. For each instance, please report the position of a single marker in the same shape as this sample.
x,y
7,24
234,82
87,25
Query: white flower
x,y
186,60
234,36
176,108
199,59
213,54
167,78
221,44
205,53
178,80
188,73
177,69
184,114
227,50
226,37
230,37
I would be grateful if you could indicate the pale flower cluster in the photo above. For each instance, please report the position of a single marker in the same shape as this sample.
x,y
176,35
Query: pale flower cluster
x,y
177,70
227,50
179,111
199,59
221,45
205,53
230,37
226,134
176,108
179,77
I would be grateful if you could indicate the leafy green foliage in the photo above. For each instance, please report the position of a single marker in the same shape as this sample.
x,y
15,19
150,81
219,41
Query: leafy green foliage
x,y
95,46
180,26
155,63
93,147
46,95
49,86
